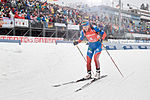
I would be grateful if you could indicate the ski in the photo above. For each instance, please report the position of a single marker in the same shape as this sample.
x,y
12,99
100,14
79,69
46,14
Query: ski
x,y
87,84
71,82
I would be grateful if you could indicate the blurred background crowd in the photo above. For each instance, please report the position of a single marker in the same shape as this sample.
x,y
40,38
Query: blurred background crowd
x,y
47,13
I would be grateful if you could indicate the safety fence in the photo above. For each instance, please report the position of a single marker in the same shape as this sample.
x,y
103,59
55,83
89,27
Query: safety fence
x,y
32,28
118,46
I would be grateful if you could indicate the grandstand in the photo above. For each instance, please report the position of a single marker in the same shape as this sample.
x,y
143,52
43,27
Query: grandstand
x,y
42,19
131,22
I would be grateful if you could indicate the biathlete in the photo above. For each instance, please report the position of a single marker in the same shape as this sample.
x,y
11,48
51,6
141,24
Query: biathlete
x,y
95,37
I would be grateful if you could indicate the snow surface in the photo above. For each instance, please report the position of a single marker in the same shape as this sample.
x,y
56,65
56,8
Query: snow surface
x,y
27,72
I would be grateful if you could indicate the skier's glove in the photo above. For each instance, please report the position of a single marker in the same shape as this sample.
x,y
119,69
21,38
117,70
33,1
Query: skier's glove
x,y
75,42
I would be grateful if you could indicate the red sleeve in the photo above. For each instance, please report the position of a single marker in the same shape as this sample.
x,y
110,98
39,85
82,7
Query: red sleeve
x,y
104,35
79,40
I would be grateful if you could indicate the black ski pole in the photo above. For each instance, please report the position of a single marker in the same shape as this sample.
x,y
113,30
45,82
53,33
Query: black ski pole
x,y
81,53
113,61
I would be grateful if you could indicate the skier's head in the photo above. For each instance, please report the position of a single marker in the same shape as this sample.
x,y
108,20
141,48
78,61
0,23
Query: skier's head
x,y
86,25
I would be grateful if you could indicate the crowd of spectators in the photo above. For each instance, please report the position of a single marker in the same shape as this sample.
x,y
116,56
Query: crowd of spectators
x,y
47,13
110,23
39,12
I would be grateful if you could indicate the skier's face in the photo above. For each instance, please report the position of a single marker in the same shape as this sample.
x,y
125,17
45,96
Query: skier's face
x,y
86,28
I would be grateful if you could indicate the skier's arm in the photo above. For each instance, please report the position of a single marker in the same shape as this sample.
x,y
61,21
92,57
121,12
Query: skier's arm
x,y
103,34
100,32
80,39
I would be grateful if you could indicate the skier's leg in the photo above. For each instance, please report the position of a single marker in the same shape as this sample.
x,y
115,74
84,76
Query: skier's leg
x,y
96,57
89,59
88,64
96,60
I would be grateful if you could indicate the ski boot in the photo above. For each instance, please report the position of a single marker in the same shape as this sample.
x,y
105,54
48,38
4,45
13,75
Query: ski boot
x,y
97,75
88,76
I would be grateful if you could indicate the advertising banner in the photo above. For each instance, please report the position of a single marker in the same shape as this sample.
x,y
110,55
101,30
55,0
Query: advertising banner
x,y
6,22
73,27
31,39
60,25
21,23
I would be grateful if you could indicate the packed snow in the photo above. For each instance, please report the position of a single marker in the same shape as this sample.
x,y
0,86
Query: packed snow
x,y
27,72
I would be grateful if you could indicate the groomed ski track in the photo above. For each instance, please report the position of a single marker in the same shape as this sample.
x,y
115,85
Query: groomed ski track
x,y
27,72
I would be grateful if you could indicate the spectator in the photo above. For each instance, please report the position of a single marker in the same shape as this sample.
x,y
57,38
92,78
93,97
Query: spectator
x,y
33,9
